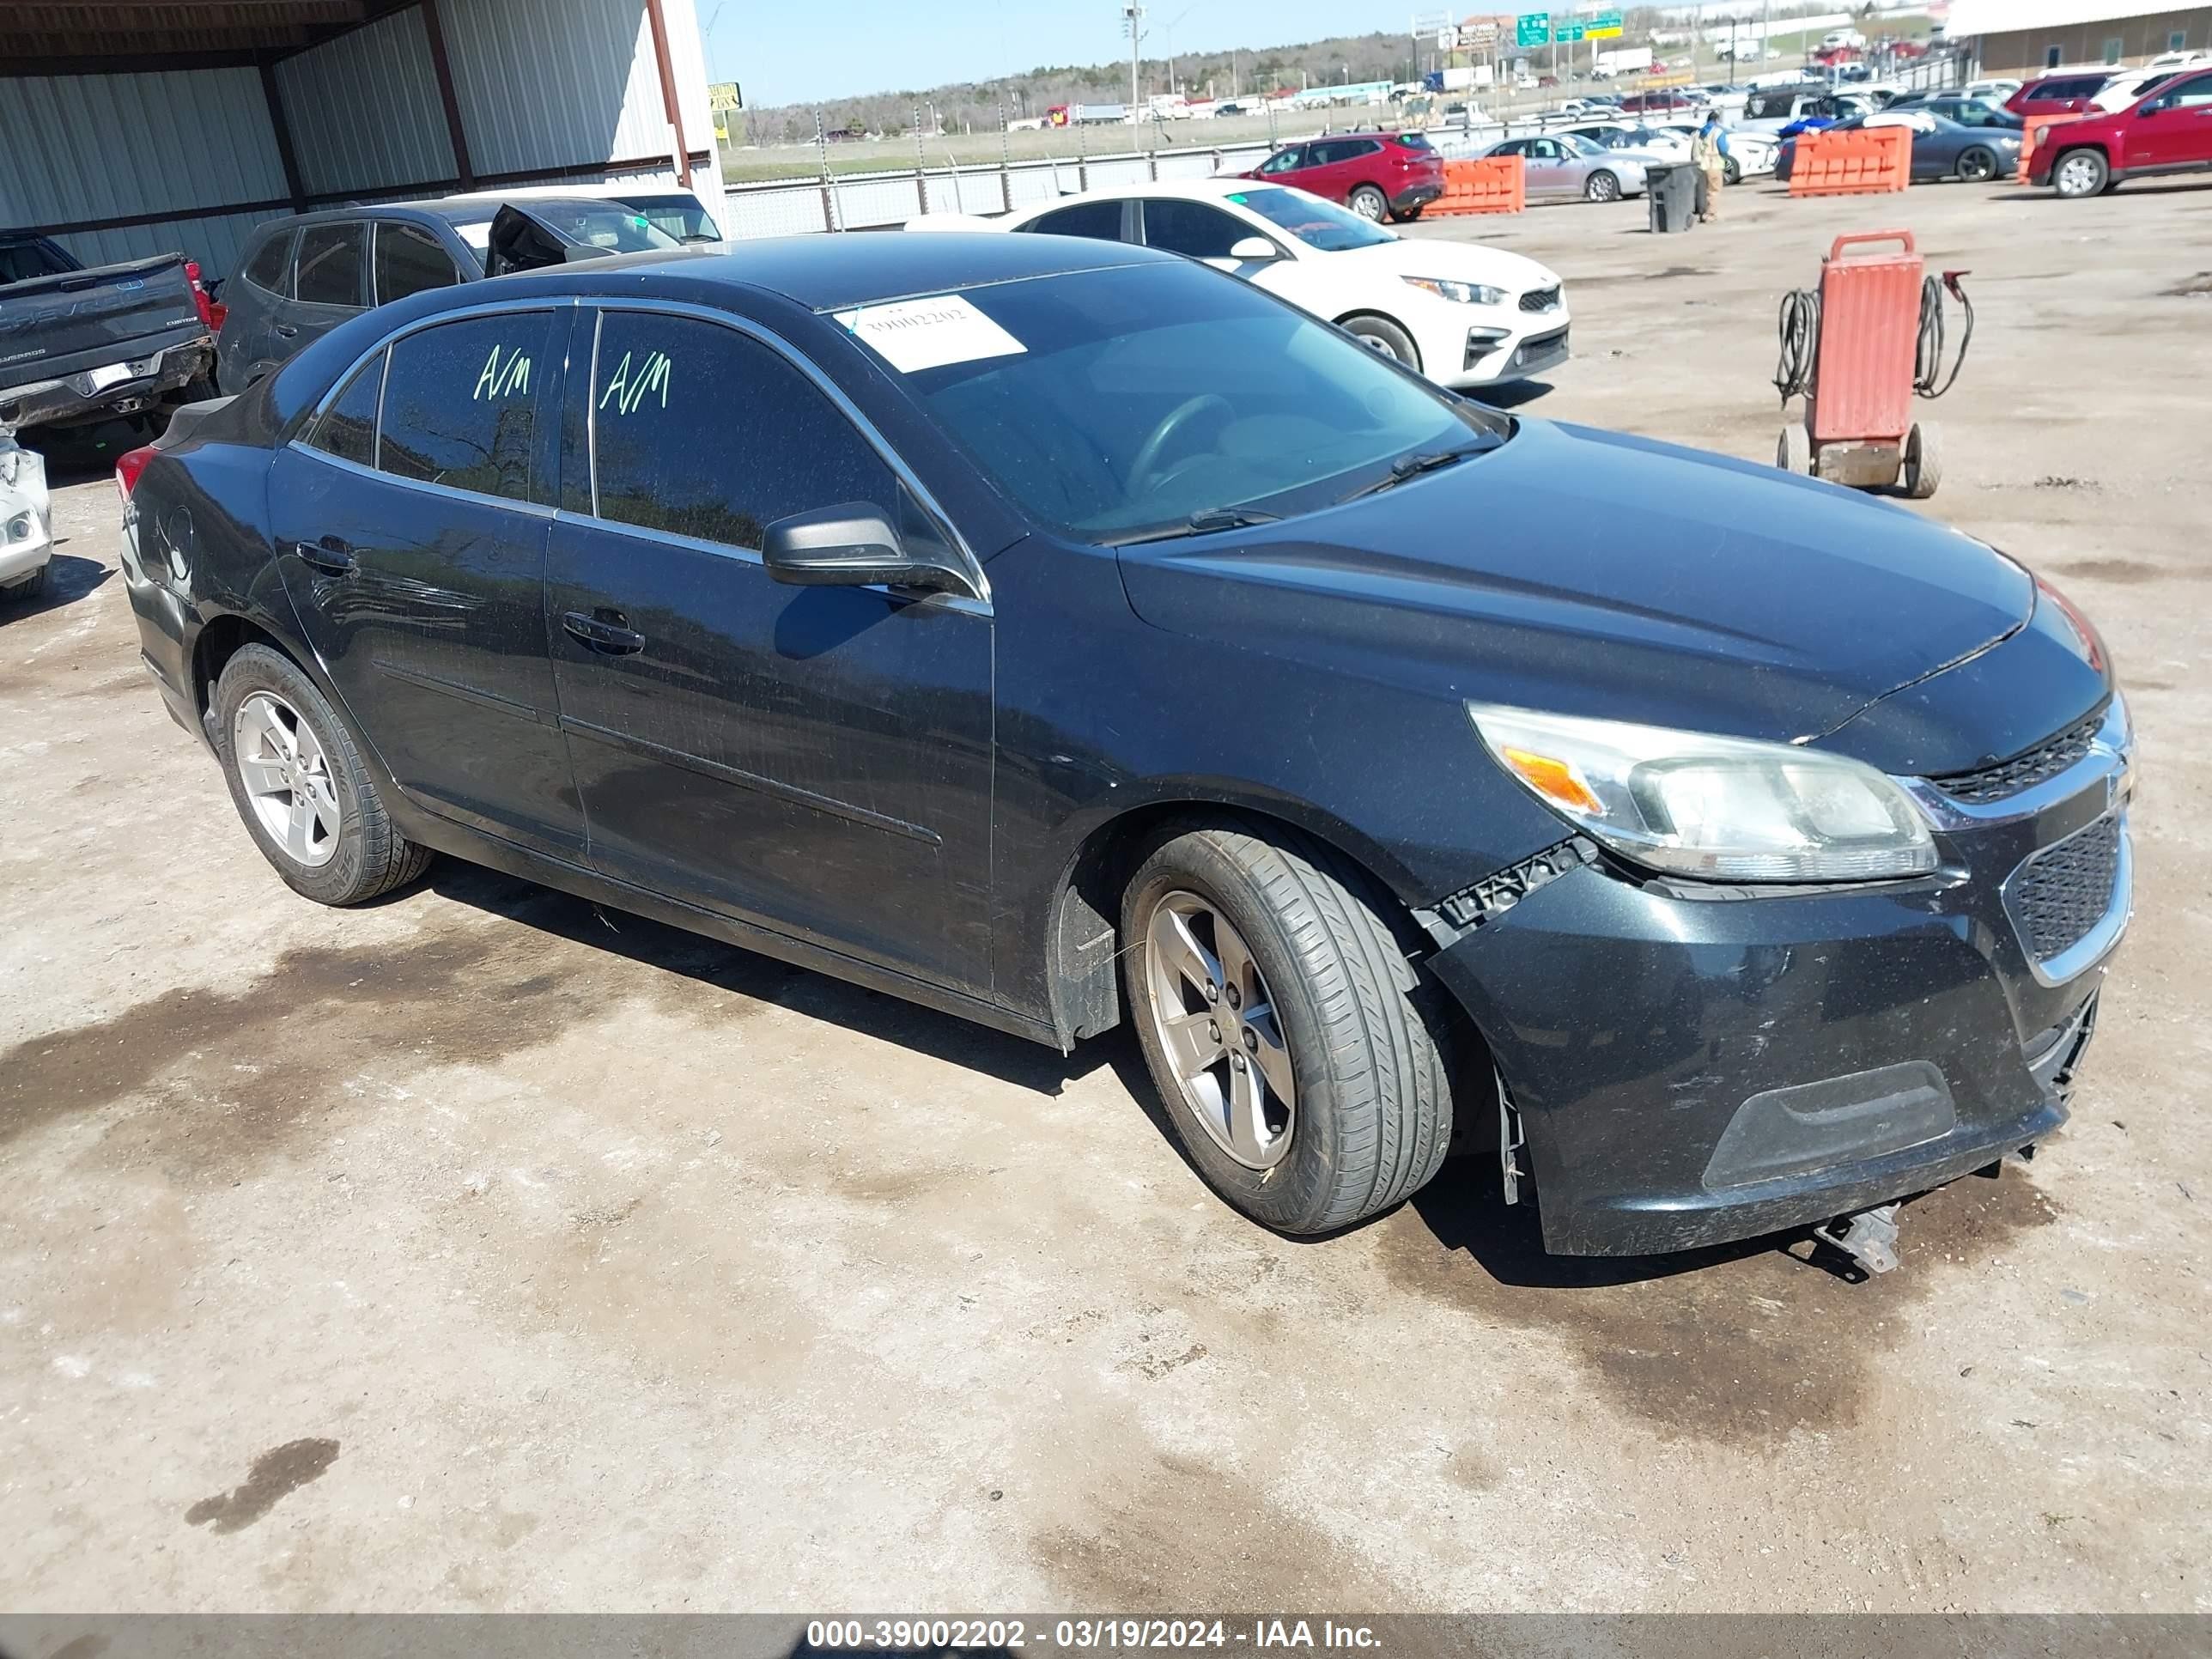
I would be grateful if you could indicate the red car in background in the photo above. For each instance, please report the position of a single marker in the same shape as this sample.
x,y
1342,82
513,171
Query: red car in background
x,y
2067,92
1376,174
2169,130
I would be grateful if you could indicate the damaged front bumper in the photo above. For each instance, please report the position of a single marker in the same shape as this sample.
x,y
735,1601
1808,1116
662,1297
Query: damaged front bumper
x,y
1691,1064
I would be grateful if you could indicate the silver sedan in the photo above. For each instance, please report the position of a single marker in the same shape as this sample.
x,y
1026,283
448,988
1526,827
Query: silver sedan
x,y
1562,165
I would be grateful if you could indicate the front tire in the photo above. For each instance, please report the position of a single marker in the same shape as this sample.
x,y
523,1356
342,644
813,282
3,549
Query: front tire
x,y
300,785
1978,166
1383,334
31,586
1601,186
1923,462
2079,173
1304,1063
1368,203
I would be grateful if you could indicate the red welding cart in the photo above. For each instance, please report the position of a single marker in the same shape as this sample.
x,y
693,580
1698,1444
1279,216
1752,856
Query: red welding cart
x,y
1858,351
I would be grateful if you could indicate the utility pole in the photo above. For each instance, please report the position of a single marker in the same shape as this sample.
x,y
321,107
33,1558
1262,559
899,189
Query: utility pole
x,y
1133,19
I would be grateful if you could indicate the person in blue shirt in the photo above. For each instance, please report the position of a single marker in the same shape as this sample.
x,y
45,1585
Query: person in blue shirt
x,y
1708,151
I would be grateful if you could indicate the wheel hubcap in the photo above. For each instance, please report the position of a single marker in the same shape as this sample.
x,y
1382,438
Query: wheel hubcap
x,y
1367,207
287,778
1216,1024
1382,346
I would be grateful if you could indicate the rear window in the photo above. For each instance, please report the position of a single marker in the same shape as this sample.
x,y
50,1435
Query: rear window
x,y
1415,140
460,403
1100,220
269,268
21,261
348,427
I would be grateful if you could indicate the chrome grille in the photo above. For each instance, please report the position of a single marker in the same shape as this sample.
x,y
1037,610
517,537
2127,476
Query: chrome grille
x,y
1541,299
2023,772
2060,894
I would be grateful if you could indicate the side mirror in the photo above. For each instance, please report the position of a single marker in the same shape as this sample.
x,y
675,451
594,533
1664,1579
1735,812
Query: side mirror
x,y
853,544
1250,248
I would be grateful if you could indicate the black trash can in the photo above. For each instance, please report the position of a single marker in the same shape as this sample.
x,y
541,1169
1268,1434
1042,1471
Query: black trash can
x,y
1673,190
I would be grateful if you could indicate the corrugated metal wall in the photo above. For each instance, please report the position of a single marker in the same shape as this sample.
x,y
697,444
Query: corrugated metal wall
x,y
541,85
79,146
364,110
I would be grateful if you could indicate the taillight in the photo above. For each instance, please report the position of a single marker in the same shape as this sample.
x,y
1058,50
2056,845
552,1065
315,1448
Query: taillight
x,y
128,465
200,295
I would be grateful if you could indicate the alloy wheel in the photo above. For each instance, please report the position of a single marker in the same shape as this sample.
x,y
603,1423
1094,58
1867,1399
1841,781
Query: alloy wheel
x,y
1367,205
2077,175
1216,1023
287,778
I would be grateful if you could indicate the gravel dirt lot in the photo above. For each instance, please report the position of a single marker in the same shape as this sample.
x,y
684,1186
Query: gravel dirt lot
x,y
482,1250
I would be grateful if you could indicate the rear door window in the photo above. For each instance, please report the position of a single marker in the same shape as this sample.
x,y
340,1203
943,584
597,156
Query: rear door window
x,y
699,431
348,427
460,403
329,265
270,267
1100,220
408,259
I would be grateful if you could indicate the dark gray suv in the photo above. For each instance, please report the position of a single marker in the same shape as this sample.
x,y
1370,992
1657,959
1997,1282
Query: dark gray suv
x,y
303,276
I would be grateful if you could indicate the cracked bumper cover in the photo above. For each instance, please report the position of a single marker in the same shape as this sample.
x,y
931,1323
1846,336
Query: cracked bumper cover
x,y
1692,1069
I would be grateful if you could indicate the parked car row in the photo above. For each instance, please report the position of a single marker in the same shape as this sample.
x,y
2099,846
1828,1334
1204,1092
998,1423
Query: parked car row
x,y
141,337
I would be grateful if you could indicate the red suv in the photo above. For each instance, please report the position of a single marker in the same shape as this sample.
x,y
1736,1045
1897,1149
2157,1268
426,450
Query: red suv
x,y
1373,174
2167,131
2067,92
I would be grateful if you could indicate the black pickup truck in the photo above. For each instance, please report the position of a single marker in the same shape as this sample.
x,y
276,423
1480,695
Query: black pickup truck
x,y
80,345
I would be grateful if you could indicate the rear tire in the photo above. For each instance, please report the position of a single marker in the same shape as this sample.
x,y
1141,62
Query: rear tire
x,y
1601,186
1368,203
1364,1036
1793,452
1731,172
358,857
1383,334
2080,173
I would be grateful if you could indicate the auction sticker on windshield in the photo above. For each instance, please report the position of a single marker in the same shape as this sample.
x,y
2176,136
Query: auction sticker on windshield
x,y
917,334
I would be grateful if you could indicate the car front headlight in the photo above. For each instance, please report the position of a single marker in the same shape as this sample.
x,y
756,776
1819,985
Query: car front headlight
x,y
1722,809
1465,294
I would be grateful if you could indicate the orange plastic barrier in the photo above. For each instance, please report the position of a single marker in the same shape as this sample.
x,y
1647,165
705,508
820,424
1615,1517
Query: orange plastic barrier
x,y
1870,161
2031,134
1494,184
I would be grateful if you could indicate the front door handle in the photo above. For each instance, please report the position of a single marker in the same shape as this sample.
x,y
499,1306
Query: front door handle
x,y
331,556
283,331
599,634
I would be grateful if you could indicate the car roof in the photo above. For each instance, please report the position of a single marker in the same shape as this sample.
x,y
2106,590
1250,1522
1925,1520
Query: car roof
x,y
1193,190
831,272
469,211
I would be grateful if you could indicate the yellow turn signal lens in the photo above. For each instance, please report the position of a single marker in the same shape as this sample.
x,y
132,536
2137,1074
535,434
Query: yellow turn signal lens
x,y
1554,780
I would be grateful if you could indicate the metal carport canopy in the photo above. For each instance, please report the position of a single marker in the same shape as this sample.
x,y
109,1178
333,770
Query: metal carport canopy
x,y
139,126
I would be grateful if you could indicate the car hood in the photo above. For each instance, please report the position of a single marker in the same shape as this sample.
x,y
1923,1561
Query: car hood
x,y
1467,261
1592,572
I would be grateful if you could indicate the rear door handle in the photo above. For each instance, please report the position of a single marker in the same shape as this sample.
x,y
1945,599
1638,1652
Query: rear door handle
x,y
610,638
284,331
329,555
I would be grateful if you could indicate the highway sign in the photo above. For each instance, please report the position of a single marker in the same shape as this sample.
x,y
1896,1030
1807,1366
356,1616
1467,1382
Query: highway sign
x,y
1532,28
1606,26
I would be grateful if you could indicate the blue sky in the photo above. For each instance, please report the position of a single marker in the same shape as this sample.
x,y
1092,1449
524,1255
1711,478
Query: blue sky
x,y
784,53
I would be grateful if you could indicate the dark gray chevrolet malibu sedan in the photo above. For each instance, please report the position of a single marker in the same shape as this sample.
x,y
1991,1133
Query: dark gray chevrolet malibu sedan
x,y
1062,634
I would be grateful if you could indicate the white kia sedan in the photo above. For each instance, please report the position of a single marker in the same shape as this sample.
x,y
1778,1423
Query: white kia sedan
x,y
1461,314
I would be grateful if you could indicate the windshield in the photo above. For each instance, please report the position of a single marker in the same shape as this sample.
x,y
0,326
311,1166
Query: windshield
x,y
608,225
1317,223
1114,403
1580,145
680,216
